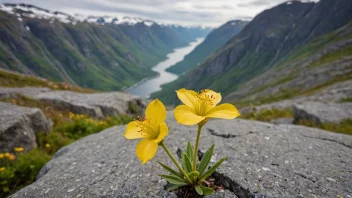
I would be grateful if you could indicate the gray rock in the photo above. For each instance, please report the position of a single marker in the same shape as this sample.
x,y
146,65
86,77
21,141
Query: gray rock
x,y
94,104
265,160
322,112
97,105
18,126
6,92
282,121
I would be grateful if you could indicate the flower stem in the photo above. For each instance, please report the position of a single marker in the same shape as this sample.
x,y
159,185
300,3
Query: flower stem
x,y
195,156
175,162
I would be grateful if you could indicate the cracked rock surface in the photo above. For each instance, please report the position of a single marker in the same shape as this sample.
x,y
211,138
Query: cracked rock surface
x,y
18,126
265,160
97,105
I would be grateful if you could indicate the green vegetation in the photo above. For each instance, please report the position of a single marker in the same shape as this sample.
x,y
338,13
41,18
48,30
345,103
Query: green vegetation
x,y
345,126
9,79
18,169
346,100
100,57
267,115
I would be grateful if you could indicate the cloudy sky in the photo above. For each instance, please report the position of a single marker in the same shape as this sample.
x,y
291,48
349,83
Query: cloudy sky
x,y
185,12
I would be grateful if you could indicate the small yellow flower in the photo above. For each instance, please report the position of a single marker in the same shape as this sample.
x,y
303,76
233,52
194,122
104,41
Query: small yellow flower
x,y
47,145
7,155
71,115
152,129
2,169
2,155
12,157
199,107
18,149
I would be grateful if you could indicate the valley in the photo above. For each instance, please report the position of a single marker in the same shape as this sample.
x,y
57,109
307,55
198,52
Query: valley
x,y
146,87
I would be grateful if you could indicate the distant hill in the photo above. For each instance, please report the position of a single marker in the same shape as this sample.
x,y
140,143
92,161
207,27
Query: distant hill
x,y
269,42
216,39
104,53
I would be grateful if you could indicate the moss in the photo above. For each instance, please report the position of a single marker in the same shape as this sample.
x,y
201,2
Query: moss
x,y
267,115
133,108
345,126
346,100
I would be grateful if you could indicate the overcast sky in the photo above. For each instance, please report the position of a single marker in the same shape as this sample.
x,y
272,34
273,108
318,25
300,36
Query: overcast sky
x,y
184,12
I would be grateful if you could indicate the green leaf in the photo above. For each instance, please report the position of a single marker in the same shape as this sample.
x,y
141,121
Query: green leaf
x,y
174,179
194,175
189,152
203,165
172,171
212,169
199,190
170,187
186,163
207,191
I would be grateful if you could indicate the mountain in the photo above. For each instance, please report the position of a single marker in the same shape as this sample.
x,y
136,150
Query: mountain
x,y
103,53
216,39
271,38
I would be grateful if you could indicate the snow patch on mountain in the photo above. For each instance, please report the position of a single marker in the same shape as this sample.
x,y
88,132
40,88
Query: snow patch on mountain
x,y
29,11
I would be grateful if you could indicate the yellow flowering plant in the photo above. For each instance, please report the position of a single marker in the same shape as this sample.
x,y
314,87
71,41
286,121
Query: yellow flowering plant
x,y
197,108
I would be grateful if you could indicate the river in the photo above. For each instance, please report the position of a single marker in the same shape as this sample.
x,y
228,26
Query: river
x,y
145,88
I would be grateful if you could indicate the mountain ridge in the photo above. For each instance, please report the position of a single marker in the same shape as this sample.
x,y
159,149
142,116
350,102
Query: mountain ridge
x,y
270,37
102,57
215,39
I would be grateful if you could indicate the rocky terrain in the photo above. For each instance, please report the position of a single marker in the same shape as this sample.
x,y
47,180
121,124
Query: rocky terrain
x,y
265,160
19,125
97,105
329,105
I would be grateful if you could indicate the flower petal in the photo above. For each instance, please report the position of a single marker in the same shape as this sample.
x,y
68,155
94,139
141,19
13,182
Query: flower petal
x,y
212,95
156,111
146,150
225,111
186,115
188,97
163,131
133,131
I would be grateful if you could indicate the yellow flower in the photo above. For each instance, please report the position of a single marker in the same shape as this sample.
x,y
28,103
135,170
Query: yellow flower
x,y
12,157
71,115
2,155
47,145
18,149
2,169
199,107
152,129
7,155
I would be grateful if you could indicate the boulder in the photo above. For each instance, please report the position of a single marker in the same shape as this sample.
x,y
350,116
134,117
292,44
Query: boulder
x,y
265,160
330,94
97,105
319,112
31,92
18,126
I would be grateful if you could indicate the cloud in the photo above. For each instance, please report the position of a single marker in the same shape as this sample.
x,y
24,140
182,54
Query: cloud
x,y
186,12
